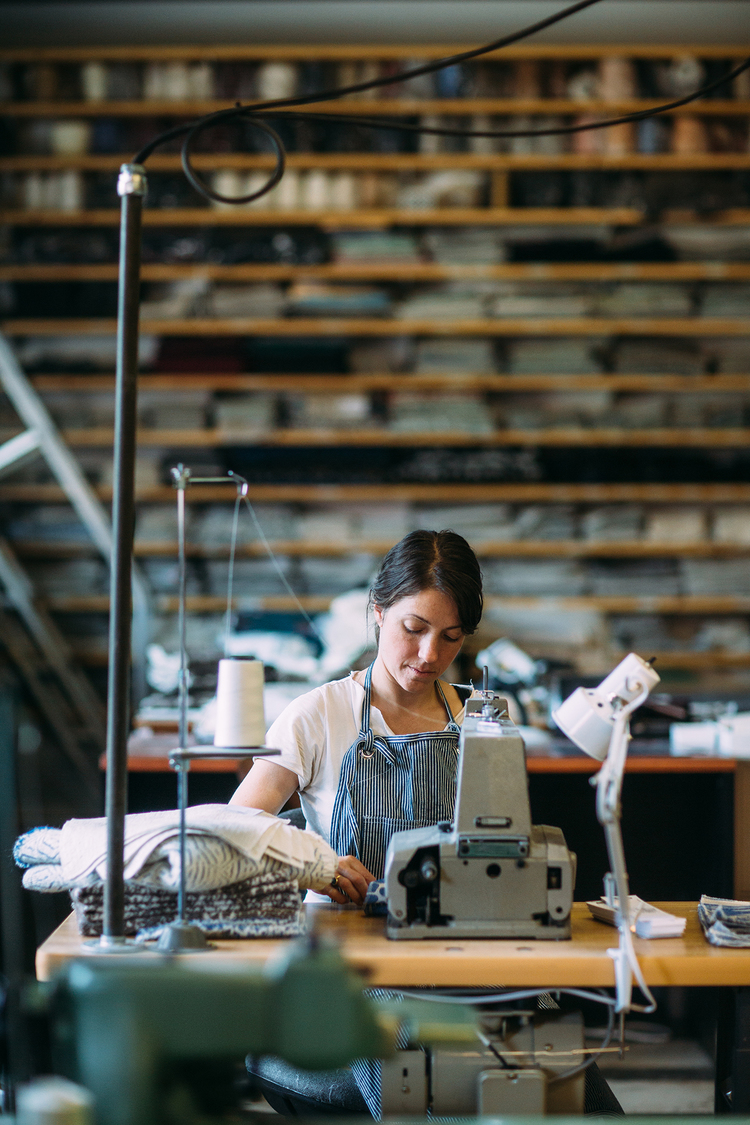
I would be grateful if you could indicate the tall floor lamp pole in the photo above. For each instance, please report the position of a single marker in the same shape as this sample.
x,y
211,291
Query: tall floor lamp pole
x,y
131,187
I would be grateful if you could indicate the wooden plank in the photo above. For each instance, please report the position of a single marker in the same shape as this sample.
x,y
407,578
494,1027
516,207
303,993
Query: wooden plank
x,y
245,51
563,437
389,271
391,326
584,961
333,220
354,107
513,548
675,605
346,384
513,492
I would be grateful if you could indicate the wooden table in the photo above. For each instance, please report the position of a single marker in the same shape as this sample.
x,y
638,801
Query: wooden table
x,y
582,961
688,960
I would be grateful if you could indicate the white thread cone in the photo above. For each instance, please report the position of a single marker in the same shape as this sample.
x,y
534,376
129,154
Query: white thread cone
x,y
240,720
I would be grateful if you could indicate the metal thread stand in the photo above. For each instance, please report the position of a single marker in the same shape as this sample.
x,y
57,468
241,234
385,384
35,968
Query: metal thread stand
x,y
181,936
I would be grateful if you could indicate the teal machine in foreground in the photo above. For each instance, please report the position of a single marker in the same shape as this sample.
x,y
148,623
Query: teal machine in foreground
x,y
146,1036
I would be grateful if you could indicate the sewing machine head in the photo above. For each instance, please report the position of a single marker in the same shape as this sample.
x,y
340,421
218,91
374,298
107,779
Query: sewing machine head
x,y
490,872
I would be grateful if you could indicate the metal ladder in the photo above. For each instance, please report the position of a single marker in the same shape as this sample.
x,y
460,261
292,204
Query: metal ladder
x,y
61,688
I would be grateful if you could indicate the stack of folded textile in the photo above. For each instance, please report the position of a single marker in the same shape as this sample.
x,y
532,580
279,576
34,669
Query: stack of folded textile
x,y
556,301
638,578
316,298
264,906
554,357
613,521
726,299
243,870
465,245
455,356
476,522
725,921
645,298
449,302
439,413
715,576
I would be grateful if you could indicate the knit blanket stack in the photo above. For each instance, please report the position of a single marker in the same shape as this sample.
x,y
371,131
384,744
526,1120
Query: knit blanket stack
x,y
243,870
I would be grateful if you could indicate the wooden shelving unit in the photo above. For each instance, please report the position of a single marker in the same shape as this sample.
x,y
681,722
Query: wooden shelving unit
x,y
501,171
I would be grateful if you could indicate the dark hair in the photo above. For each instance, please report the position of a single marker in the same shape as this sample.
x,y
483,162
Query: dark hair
x,y
432,560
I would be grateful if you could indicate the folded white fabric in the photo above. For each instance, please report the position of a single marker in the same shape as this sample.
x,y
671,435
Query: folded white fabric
x,y
224,844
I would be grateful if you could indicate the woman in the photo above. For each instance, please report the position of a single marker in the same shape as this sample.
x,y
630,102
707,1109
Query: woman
x,y
376,753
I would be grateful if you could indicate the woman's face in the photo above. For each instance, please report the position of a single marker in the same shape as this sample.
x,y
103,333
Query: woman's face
x,y
420,636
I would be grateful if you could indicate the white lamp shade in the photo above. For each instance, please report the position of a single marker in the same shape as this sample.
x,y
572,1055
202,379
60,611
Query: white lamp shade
x,y
586,720
588,715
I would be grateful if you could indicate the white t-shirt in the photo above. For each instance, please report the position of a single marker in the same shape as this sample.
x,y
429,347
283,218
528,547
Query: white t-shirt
x,y
314,733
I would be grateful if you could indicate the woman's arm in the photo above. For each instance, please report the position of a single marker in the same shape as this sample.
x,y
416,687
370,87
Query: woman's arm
x,y
267,786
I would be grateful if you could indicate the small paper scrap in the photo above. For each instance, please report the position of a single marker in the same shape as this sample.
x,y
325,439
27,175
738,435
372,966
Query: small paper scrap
x,y
647,921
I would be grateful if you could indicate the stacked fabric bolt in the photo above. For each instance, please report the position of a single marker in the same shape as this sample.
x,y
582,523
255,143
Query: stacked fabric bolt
x,y
615,521
243,869
641,578
476,522
554,357
316,298
658,357
554,301
535,577
465,245
725,921
645,299
455,356
726,299
715,576
449,302
412,413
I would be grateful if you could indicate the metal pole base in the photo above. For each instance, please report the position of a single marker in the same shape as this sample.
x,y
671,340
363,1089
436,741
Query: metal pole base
x,y
183,937
108,944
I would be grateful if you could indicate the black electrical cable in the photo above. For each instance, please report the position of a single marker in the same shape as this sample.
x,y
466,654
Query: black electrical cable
x,y
373,83
441,131
431,67
253,115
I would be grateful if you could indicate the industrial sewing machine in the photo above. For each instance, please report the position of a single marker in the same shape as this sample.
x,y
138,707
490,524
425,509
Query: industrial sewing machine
x,y
490,873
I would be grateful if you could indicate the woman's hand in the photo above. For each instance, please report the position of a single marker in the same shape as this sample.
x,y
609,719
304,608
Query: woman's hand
x,y
350,882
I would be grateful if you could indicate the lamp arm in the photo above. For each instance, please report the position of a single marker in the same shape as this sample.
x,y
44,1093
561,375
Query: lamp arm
x,y
608,789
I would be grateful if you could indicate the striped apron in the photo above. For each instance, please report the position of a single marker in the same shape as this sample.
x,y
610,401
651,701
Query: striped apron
x,y
392,783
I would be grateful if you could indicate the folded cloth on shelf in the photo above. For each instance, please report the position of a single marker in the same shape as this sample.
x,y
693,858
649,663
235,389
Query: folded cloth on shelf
x,y
264,906
224,844
725,921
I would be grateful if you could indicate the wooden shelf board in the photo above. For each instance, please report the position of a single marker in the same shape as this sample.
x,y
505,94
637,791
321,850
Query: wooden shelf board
x,y
348,384
353,106
672,606
393,162
432,493
558,436
389,326
390,271
217,52
338,220
513,548
377,218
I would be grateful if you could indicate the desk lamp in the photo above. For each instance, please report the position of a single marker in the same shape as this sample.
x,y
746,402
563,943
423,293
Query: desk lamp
x,y
597,721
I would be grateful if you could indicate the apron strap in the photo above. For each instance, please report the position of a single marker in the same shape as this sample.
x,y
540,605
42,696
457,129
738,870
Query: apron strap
x,y
366,738
452,724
